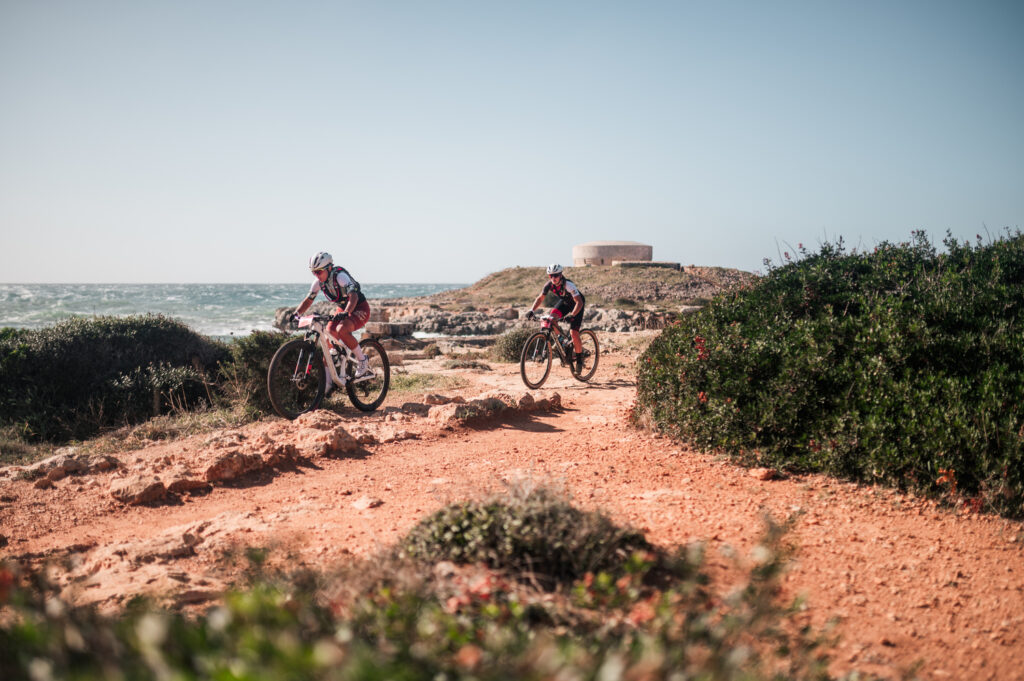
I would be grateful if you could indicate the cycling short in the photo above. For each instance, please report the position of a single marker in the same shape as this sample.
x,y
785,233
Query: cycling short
x,y
563,308
359,316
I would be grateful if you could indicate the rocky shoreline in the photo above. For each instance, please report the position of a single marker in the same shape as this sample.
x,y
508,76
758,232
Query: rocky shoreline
x,y
411,315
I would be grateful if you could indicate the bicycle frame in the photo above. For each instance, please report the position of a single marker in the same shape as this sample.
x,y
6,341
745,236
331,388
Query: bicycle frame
x,y
549,325
317,325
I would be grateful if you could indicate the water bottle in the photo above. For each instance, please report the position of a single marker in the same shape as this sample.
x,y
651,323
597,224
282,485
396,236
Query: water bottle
x,y
566,343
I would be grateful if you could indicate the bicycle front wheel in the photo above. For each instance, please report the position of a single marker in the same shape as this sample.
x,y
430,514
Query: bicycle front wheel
x,y
368,392
535,362
591,353
297,378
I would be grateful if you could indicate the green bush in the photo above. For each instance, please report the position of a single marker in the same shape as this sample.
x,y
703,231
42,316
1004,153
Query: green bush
x,y
244,376
509,345
901,366
81,375
538,532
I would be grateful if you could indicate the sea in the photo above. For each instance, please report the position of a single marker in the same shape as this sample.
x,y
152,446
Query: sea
x,y
222,311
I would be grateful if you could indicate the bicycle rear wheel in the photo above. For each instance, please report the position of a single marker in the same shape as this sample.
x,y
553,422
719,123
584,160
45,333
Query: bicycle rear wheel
x,y
591,353
296,378
368,393
535,362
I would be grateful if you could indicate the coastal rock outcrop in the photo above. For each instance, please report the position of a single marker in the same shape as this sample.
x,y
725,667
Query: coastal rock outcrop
x,y
433,320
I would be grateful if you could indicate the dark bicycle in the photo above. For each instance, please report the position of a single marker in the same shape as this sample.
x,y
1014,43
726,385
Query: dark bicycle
x,y
535,362
298,376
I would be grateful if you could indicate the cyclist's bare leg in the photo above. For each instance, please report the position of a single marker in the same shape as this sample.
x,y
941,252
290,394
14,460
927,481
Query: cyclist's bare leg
x,y
577,344
343,332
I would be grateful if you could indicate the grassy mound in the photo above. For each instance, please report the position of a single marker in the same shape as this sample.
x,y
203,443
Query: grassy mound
x,y
617,287
903,366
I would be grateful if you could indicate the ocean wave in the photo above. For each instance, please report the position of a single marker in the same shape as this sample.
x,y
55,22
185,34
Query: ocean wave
x,y
218,310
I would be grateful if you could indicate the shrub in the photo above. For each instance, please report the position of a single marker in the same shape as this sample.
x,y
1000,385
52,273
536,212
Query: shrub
x,y
537,532
81,375
900,366
244,375
13,447
509,346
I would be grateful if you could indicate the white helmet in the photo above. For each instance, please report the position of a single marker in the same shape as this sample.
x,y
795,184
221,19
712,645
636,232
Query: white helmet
x,y
554,268
320,260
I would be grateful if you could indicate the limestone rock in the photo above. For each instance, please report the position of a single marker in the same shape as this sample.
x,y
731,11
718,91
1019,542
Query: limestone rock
x,y
320,419
322,434
364,502
764,473
232,464
138,489
416,408
66,462
102,462
181,479
434,398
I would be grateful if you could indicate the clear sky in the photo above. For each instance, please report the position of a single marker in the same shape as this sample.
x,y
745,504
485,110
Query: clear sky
x,y
438,141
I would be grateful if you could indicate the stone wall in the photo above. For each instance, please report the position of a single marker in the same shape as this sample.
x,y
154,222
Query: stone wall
x,y
604,252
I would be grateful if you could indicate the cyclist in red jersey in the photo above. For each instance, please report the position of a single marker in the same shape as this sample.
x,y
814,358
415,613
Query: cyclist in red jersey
x,y
569,307
339,287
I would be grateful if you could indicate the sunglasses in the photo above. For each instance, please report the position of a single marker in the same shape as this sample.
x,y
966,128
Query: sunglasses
x,y
322,269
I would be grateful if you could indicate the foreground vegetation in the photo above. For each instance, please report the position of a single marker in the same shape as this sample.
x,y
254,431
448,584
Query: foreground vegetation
x,y
531,600
902,366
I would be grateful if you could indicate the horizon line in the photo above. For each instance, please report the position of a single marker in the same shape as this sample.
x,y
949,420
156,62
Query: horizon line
x,y
216,283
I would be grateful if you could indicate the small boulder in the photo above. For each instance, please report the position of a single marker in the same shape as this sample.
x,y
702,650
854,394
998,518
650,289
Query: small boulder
x,y
138,489
232,464
313,442
102,462
363,503
417,408
764,473
180,480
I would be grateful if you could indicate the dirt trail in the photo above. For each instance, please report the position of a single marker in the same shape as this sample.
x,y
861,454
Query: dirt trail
x,y
910,582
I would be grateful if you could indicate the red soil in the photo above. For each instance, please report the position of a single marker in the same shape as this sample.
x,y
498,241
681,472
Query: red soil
x,y
911,582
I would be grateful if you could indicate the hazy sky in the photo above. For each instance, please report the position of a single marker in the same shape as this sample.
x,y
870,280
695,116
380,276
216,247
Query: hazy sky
x,y
438,141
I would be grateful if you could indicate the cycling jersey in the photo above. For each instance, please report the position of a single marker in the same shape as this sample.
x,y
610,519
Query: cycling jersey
x,y
567,291
567,294
337,288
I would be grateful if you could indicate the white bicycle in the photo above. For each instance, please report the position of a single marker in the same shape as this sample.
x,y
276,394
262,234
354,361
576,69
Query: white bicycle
x,y
299,372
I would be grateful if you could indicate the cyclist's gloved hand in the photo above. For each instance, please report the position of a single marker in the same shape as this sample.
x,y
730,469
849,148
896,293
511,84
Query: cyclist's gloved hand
x,y
340,317
531,315
294,318
567,319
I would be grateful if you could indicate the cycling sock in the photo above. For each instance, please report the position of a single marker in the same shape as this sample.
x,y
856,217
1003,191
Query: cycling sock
x,y
358,351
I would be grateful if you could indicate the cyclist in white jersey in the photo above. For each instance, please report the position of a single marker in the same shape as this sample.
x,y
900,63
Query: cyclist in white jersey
x,y
339,287
569,308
